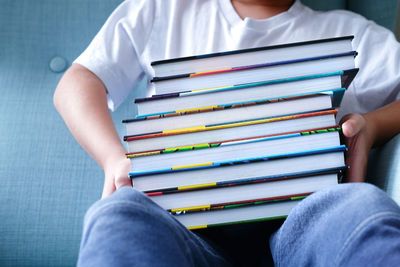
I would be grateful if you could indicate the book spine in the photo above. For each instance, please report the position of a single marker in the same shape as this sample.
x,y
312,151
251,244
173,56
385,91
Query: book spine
x,y
247,50
256,66
174,113
239,161
236,87
228,125
233,142
245,181
230,205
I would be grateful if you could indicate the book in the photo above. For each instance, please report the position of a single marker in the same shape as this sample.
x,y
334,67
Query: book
x,y
255,73
243,135
236,130
234,213
258,55
168,104
235,112
195,199
236,149
238,171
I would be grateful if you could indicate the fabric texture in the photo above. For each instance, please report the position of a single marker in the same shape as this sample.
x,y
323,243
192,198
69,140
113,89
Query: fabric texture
x,y
384,168
128,229
47,181
139,32
342,225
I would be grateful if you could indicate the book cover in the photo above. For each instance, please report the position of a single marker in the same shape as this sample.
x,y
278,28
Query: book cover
x,y
336,96
228,125
254,73
250,67
262,179
210,98
273,53
203,199
134,174
247,50
233,142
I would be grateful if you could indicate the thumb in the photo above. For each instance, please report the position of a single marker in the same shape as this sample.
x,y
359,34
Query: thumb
x,y
108,188
352,124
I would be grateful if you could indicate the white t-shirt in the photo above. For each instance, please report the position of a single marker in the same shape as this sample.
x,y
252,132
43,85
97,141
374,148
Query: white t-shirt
x,y
141,31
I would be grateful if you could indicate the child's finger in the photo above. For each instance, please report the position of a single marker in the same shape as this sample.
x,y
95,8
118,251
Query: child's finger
x,y
352,125
109,188
122,180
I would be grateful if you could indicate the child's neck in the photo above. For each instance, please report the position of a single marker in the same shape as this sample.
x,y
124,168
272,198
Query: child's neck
x,y
260,9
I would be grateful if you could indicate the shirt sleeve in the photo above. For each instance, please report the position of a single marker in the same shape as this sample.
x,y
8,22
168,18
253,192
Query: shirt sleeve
x,y
379,54
114,53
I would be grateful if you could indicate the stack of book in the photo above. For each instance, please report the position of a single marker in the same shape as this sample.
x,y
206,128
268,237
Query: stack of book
x,y
244,135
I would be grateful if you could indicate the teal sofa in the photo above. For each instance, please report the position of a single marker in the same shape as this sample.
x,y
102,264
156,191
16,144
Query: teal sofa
x,y
47,181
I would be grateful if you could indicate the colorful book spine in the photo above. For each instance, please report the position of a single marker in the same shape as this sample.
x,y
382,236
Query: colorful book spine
x,y
245,181
337,95
238,86
249,67
239,161
237,204
233,142
247,50
228,125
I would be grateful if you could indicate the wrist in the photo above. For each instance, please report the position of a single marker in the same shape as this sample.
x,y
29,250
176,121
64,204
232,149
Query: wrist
x,y
114,158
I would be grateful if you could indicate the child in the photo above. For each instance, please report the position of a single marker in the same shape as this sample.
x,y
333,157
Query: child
x,y
142,31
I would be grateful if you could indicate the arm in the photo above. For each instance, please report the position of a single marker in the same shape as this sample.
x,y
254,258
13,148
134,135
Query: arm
x,y
81,100
365,131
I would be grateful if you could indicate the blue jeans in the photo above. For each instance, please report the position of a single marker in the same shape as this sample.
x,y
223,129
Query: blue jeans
x,y
344,225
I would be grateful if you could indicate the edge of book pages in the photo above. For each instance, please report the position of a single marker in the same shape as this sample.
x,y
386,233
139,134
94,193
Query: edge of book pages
x,y
234,142
245,181
251,202
238,161
238,51
336,97
347,77
248,67
219,126
289,198
237,86
239,204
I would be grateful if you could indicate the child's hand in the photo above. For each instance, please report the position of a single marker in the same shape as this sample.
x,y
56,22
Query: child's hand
x,y
359,140
116,175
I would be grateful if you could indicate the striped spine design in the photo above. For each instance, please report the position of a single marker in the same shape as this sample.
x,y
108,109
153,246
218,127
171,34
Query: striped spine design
x,y
237,86
228,125
236,162
221,206
230,205
244,181
175,113
263,65
232,142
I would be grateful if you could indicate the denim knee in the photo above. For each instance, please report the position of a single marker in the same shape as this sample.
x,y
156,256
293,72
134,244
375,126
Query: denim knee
x,y
122,195
128,228
358,197
329,222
